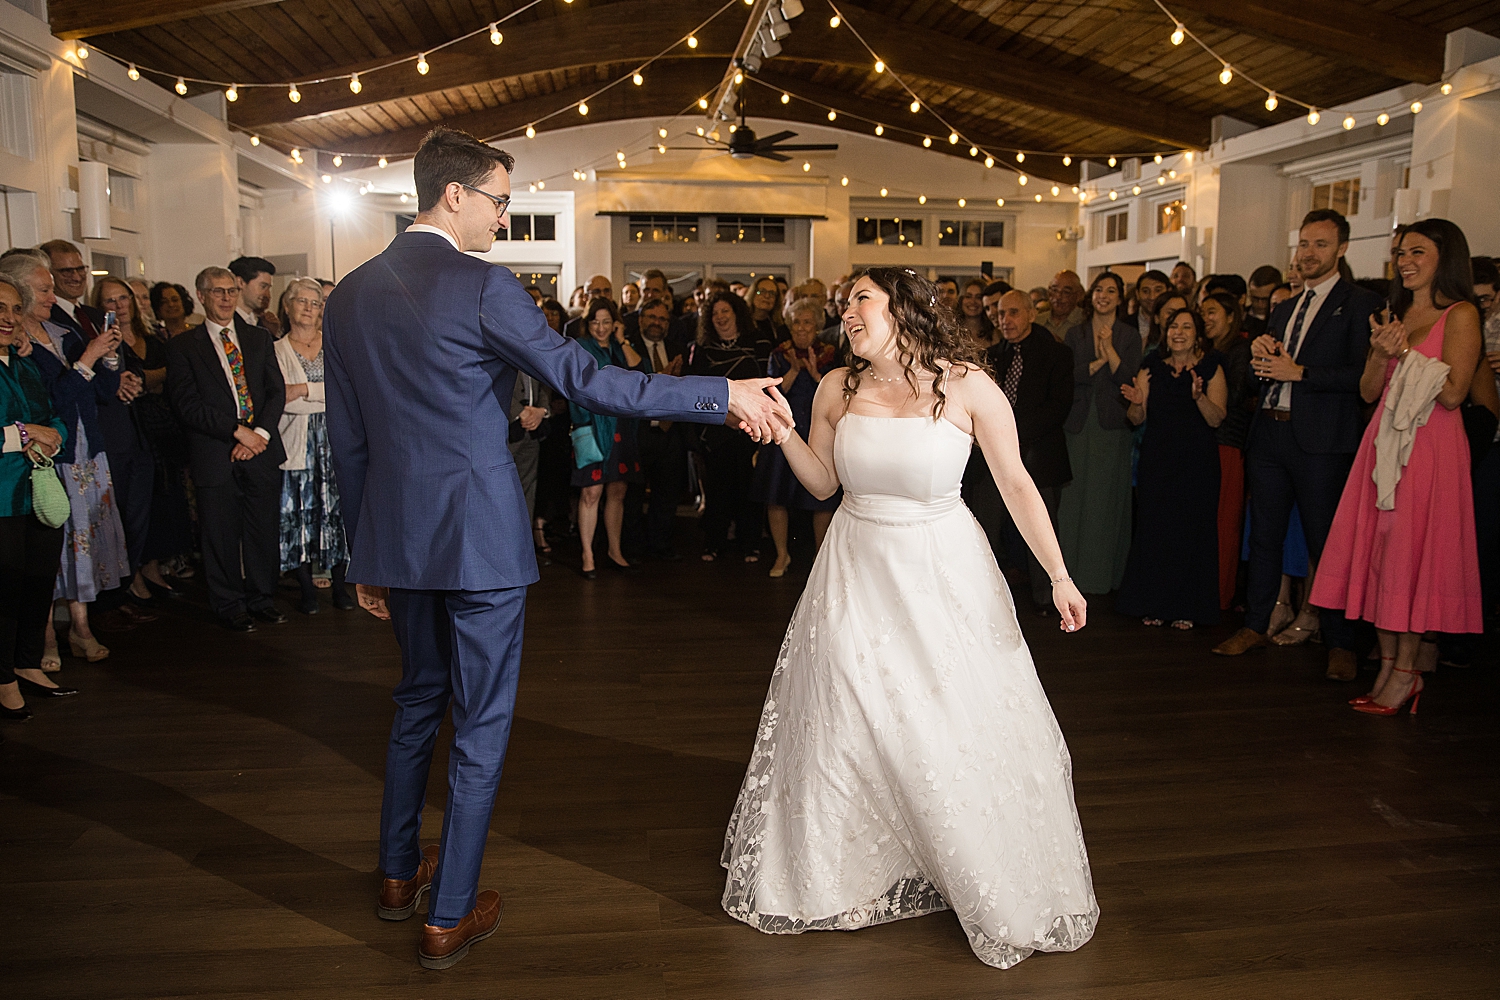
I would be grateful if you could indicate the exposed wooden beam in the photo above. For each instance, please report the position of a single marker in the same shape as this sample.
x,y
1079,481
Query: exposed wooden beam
x,y
1350,32
87,18
635,31
920,53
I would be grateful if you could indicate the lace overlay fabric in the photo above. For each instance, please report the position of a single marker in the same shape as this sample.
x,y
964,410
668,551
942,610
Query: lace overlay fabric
x,y
907,759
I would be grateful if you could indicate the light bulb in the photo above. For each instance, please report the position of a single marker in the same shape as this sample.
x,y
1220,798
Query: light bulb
x,y
999,202
1446,89
1022,179
541,185
1172,173
1136,189
989,161
1057,190
1075,188
1382,118
880,130
953,138
703,103
1226,74
1188,156
1161,179
232,93
973,150
1113,161
531,188
381,163
1271,101
660,148
297,155
927,141
403,199
495,37
1178,34
255,140
619,154
843,182
833,116
739,78
327,178
1416,107
1313,116
916,106
1020,157
1067,160
833,22
354,85
338,159
1038,199
293,94
962,202
700,129
531,131
132,72
879,66
883,192
637,79
806,166
921,199
82,51
1114,195
181,87
662,132
692,41
422,66
786,98
583,108
1348,122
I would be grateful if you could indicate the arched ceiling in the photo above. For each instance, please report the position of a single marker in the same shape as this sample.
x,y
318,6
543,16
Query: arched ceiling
x,y
1083,77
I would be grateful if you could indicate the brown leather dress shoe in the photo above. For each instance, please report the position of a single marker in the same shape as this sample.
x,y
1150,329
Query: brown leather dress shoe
x,y
442,947
399,897
1241,642
1342,665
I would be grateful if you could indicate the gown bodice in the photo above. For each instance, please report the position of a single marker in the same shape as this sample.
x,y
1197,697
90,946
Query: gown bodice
x,y
900,469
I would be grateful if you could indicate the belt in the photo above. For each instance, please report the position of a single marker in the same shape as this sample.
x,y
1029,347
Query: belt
x,y
1282,416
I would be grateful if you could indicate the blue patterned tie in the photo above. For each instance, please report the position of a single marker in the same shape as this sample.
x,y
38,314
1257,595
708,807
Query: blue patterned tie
x,y
1293,341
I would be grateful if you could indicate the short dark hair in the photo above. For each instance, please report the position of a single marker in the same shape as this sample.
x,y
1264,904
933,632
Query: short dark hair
x,y
1231,283
947,281
1328,215
59,246
998,288
656,304
1232,308
1485,271
1155,276
1266,274
1454,279
1183,263
654,273
449,155
595,305
247,268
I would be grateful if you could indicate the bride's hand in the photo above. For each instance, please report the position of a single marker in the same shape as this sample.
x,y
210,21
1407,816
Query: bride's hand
x,y
1071,606
790,426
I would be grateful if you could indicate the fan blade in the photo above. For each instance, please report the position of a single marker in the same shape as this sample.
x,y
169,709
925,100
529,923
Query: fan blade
x,y
772,155
771,140
811,145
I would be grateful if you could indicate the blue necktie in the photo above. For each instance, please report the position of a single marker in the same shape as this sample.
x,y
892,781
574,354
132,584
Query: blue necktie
x,y
1293,341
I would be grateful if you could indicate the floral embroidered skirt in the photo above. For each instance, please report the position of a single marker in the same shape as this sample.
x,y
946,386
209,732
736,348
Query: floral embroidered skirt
x,y
312,529
93,557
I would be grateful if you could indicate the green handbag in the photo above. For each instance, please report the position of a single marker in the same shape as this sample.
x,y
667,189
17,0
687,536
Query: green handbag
x,y
585,446
49,501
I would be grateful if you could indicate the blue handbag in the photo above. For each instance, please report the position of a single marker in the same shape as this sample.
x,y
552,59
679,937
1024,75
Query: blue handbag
x,y
585,448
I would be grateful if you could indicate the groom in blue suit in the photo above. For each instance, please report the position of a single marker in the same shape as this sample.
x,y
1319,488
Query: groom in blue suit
x,y
422,346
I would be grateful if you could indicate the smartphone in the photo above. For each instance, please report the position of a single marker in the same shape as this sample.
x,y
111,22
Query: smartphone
x,y
109,319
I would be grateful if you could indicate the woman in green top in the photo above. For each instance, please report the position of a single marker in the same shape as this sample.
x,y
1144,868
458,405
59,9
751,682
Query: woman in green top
x,y
29,550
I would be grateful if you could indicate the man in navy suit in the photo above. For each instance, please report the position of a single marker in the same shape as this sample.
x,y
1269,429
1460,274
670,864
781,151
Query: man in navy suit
x,y
422,346
1307,427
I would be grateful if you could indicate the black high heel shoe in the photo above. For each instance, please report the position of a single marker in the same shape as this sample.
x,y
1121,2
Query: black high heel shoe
x,y
15,714
35,690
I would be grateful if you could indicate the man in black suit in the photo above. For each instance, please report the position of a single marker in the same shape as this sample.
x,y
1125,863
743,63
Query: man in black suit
x,y
653,289
70,279
663,446
1036,374
226,387
1307,427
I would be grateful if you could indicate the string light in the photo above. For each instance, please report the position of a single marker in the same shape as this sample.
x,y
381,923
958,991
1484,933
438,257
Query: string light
x,y
296,156
1075,188
786,98
989,161
1020,157
692,41
973,150
739,78
531,188
1157,158
1134,190
293,94
531,131
880,130
82,51
181,87
1022,179
495,37
703,103
916,106
999,202
1226,74
1114,195
1067,160
927,142
1178,34
953,138
833,22
404,199
1313,116
879,66
1416,107
132,72
354,85
1161,179
1446,89
1057,190
660,148
1271,101
843,182
541,185
1038,199
883,192
233,93
327,178
255,140
662,132
833,116
637,79
700,129
1172,174
583,108
422,66
1113,161
806,166
1348,122
382,163
921,199
963,203
338,159
1382,119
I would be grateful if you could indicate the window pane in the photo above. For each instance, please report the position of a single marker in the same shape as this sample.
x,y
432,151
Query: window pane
x,y
1169,216
950,233
544,227
994,234
866,230
1320,196
663,228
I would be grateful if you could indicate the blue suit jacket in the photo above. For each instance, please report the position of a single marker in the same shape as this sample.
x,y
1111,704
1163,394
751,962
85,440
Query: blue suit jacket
x,y
1327,413
421,346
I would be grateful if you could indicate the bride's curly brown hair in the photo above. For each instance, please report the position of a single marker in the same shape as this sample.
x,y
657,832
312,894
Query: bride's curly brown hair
x,y
926,333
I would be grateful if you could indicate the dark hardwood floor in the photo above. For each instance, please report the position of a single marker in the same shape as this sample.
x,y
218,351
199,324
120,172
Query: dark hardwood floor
x,y
202,820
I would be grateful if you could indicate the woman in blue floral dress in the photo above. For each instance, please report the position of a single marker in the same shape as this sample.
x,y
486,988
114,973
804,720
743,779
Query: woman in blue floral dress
x,y
312,528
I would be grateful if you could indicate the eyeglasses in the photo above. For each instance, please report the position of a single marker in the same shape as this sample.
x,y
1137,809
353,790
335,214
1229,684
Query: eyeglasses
x,y
76,271
223,293
765,291
309,303
502,202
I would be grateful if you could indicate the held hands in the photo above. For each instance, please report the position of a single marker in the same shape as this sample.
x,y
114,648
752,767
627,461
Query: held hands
x,y
1136,392
1071,606
1274,365
248,444
44,439
786,410
131,386
531,417
1389,339
755,413
373,600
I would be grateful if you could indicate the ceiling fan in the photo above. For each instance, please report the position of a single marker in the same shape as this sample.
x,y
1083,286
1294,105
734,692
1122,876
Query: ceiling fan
x,y
743,144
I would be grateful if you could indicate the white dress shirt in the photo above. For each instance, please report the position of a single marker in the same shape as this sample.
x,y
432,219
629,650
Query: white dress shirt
x,y
68,307
422,227
247,315
1281,399
215,336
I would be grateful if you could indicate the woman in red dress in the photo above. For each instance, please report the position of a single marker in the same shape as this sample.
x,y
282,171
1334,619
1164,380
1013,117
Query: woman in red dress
x,y
1413,569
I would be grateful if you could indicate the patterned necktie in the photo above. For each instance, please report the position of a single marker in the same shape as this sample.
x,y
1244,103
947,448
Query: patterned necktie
x,y
658,356
1012,374
237,369
1293,342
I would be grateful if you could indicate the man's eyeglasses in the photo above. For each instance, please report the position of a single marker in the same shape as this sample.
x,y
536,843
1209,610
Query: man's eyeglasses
x,y
223,293
76,271
502,202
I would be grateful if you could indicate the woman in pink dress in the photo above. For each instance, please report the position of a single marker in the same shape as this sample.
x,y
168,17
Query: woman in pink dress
x,y
1413,569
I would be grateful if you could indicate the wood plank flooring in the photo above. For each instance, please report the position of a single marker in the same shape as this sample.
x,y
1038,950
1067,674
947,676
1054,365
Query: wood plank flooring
x,y
202,820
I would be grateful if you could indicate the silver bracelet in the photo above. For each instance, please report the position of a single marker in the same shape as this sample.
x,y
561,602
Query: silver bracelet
x,y
1062,579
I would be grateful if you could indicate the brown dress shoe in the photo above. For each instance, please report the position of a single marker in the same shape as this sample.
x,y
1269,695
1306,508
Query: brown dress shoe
x,y
1242,641
399,897
1342,665
442,947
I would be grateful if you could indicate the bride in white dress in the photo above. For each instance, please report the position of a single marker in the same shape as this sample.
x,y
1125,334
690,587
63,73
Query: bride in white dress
x,y
907,760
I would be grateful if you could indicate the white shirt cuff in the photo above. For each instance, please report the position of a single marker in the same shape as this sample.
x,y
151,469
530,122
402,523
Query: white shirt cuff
x,y
265,434
12,438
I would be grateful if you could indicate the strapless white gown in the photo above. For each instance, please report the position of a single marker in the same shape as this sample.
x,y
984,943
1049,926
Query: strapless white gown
x,y
907,760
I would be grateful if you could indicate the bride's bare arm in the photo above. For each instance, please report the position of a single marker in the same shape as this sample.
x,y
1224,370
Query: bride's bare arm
x,y
812,460
995,430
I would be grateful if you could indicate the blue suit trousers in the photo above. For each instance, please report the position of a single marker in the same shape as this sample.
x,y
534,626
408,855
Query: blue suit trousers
x,y
461,647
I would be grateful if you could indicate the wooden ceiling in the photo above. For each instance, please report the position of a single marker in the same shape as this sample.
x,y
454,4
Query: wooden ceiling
x,y
1085,77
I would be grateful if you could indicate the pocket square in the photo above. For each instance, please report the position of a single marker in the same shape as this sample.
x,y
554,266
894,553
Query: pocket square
x,y
1339,311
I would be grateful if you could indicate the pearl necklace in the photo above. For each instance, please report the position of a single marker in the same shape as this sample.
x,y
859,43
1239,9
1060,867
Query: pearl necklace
x,y
871,372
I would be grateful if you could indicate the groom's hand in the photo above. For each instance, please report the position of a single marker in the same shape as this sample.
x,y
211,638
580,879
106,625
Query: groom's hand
x,y
755,413
373,599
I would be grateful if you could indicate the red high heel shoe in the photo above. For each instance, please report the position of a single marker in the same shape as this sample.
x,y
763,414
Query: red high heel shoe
x,y
1414,696
1365,699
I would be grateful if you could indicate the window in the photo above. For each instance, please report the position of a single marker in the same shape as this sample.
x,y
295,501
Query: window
x,y
889,232
1341,196
1117,227
663,229
970,233
1169,216
530,227
750,229
101,264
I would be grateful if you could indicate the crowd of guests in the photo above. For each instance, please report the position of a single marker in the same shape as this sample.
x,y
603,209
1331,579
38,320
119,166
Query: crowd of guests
x,y
149,430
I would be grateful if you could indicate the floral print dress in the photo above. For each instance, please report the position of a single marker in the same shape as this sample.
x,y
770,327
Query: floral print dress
x,y
312,528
